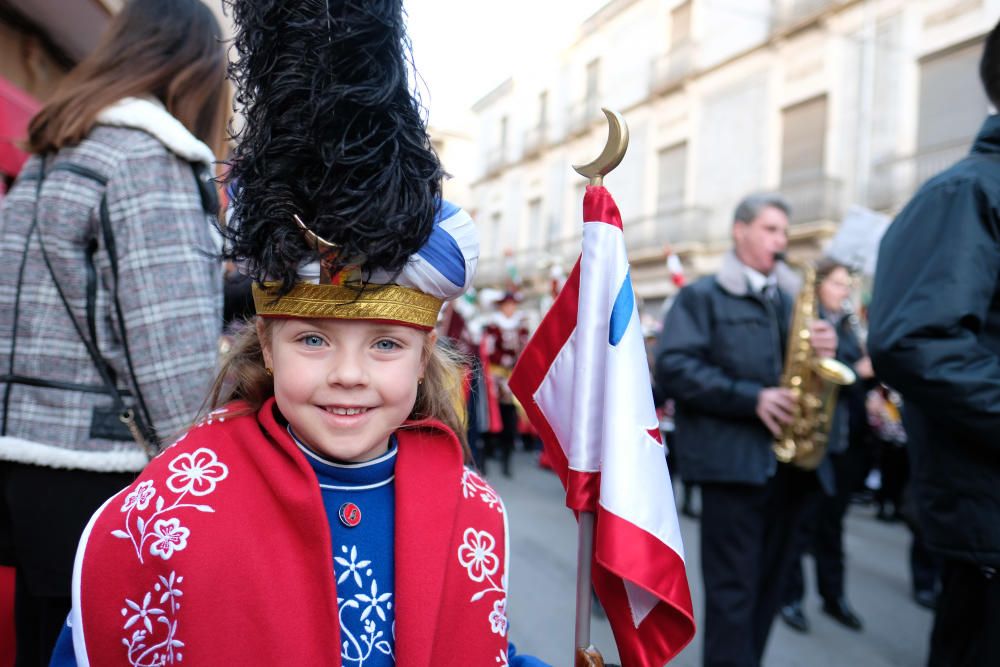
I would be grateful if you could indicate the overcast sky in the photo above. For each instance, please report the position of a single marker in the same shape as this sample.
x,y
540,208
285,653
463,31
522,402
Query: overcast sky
x,y
465,48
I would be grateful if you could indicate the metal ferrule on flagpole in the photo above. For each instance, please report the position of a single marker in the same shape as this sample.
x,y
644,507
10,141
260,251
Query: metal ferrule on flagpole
x,y
585,654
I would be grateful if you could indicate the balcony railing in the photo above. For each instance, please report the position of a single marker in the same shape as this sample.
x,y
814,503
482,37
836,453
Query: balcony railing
x,y
931,161
534,140
689,224
495,161
566,249
890,184
490,270
894,180
582,115
671,68
812,198
686,224
790,12
530,263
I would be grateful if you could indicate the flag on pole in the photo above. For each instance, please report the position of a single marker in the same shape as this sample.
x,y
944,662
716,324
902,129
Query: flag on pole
x,y
676,270
584,382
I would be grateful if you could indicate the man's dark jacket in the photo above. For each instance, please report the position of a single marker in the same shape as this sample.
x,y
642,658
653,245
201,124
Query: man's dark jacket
x,y
935,337
720,346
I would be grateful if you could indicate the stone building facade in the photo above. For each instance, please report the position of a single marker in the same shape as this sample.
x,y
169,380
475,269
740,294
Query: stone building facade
x,y
830,102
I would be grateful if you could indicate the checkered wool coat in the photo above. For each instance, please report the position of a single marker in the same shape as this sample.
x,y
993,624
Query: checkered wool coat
x,y
169,286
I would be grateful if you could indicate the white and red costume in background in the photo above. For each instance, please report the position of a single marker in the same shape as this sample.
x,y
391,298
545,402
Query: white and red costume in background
x,y
220,554
501,343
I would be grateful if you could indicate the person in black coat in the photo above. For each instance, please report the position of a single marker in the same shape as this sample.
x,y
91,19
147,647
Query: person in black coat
x,y
823,530
935,338
720,358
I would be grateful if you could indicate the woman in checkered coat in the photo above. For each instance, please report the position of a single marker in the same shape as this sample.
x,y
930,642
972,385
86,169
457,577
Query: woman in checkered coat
x,y
110,291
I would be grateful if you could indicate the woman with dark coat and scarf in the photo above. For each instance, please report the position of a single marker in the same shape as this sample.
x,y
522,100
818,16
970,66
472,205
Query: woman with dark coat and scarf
x,y
823,532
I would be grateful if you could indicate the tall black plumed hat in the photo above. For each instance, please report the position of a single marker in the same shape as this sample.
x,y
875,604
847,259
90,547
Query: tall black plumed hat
x,y
333,166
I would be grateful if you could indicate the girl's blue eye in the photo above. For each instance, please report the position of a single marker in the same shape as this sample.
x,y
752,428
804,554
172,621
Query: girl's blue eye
x,y
386,345
312,341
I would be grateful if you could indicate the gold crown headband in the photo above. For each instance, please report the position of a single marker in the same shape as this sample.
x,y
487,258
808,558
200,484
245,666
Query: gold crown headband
x,y
392,303
327,299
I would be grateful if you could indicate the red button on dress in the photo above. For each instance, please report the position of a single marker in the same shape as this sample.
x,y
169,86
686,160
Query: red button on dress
x,y
350,515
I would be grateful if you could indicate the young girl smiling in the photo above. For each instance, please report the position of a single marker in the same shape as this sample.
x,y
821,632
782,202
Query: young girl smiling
x,y
321,512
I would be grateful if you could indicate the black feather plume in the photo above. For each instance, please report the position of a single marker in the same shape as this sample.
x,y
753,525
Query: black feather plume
x,y
332,133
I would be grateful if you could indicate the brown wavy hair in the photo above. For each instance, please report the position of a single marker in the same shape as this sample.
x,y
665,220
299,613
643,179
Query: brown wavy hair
x,y
171,50
243,377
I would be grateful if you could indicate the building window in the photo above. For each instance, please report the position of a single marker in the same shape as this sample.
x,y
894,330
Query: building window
x,y
593,82
535,228
804,140
496,233
952,107
680,25
552,231
534,138
504,122
670,177
803,152
581,192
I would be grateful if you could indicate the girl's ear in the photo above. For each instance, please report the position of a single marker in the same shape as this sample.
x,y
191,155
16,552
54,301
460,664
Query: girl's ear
x,y
264,336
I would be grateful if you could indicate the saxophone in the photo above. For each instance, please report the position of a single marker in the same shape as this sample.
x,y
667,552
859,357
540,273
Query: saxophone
x,y
814,382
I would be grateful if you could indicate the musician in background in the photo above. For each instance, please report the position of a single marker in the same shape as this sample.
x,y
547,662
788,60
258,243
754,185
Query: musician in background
x,y
823,530
720,358
454,331
505,334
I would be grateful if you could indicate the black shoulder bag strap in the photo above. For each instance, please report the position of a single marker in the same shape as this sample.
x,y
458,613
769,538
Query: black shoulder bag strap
x,y
142,433
109,246
210,204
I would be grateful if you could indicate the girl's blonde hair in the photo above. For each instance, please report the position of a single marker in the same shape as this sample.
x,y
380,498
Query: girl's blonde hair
x,y
243,377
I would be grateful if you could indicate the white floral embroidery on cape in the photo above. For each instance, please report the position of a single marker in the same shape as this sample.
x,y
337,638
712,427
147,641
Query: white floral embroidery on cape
x,y
476,555
153,619
196,473
146,646
473,485
364,623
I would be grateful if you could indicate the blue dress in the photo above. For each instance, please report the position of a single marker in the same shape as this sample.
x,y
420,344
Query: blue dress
x,y
359,499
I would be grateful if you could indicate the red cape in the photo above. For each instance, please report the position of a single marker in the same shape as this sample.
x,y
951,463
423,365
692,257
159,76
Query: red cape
x,y
220,554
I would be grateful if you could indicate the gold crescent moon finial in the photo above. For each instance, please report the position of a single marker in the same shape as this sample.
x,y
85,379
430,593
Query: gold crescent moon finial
x,y
314,240
613,153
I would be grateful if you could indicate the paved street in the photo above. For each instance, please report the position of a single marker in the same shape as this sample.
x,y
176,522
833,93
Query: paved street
x,y
542,591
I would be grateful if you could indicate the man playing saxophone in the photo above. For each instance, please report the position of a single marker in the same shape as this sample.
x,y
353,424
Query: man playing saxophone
x,y
720,358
